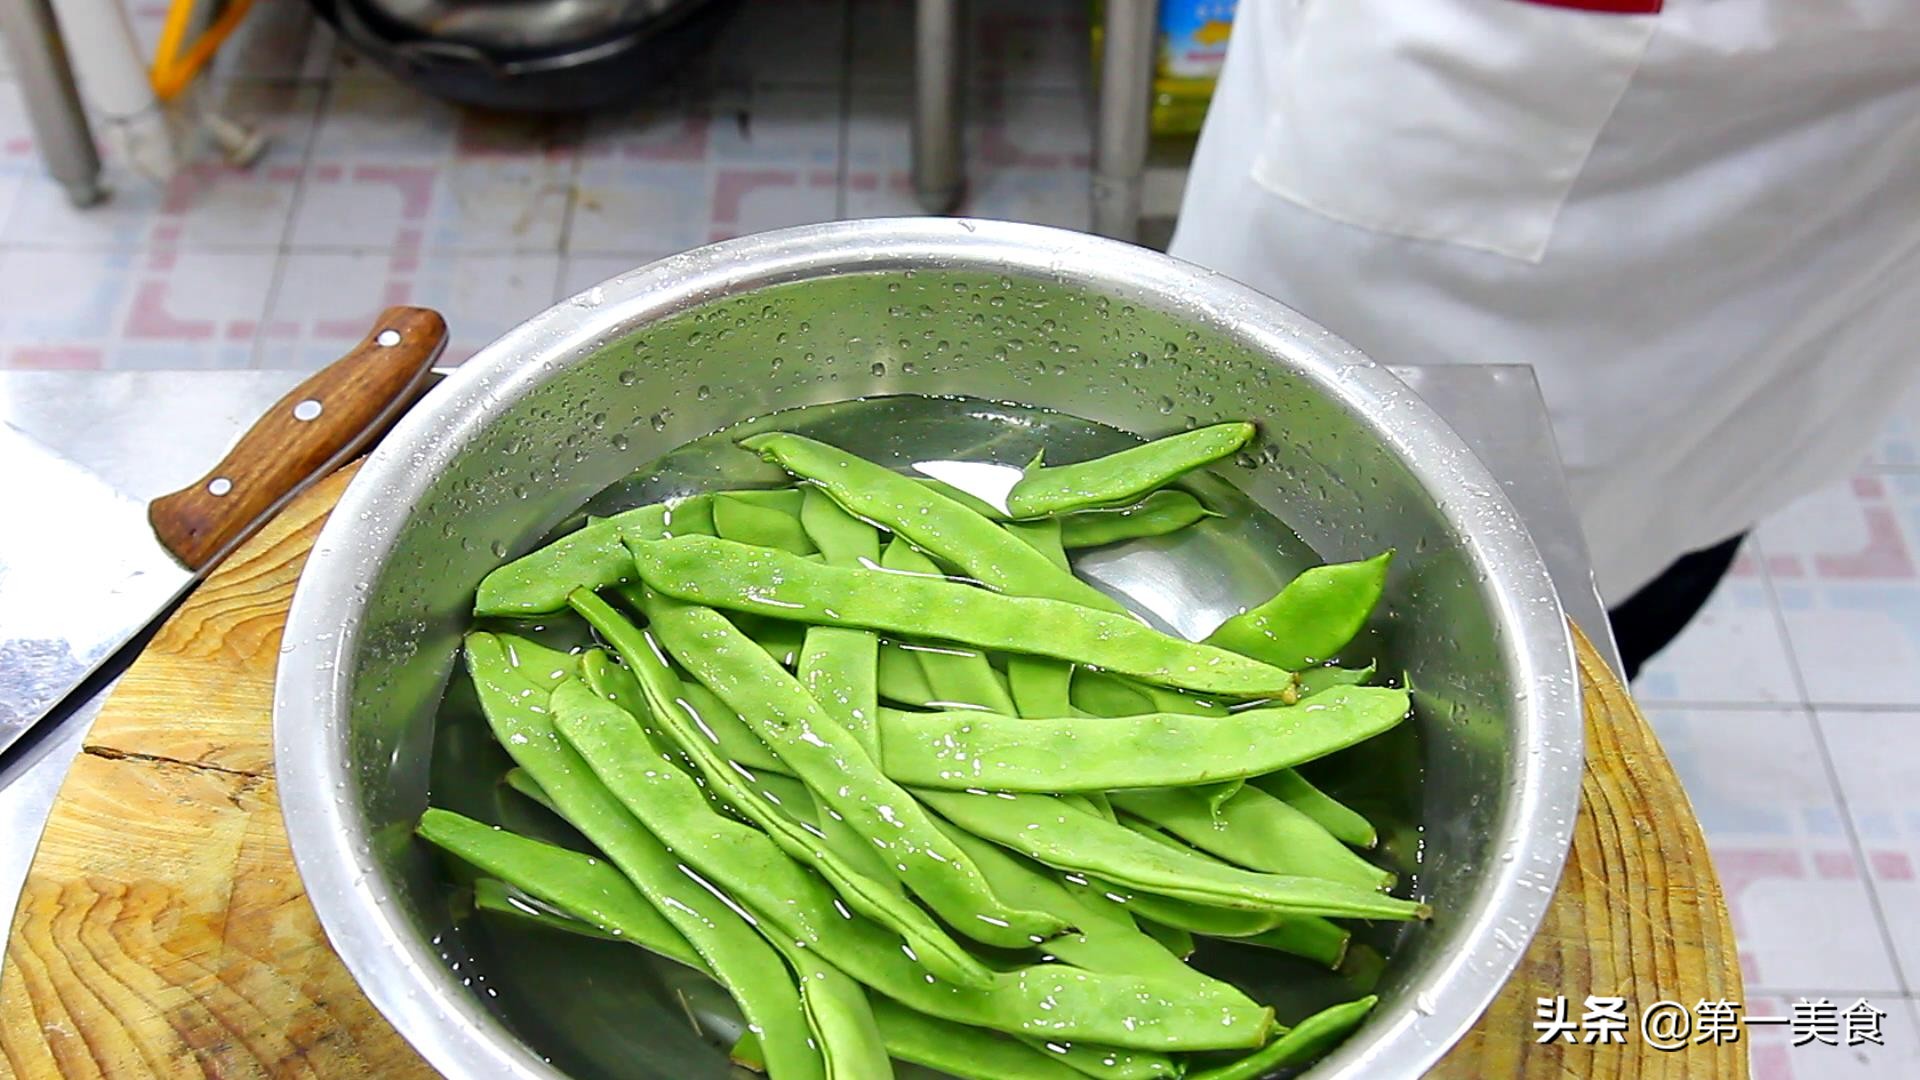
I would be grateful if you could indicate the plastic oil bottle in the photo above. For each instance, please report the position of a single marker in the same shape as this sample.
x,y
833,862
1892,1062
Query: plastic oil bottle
x,y
1192,43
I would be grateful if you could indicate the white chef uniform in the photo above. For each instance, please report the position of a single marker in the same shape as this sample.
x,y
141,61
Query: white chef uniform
x,y
1699,221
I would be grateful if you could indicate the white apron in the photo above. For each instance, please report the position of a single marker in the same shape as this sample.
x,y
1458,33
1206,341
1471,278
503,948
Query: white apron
x,y
1698,221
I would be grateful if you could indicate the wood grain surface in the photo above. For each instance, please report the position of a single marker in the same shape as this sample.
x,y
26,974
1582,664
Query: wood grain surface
x,y
163,931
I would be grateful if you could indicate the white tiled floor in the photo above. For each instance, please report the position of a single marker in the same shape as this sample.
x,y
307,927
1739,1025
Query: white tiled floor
x,y
1790,711
1792,707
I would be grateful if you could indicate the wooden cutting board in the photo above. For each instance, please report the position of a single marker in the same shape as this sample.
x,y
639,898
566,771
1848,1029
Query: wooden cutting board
x,y
163,930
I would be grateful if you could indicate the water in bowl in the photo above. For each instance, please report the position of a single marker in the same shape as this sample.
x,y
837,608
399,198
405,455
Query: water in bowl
x,y
605,1009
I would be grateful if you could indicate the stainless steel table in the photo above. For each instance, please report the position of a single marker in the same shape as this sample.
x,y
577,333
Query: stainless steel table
x,y
29,32
1122,111
148,433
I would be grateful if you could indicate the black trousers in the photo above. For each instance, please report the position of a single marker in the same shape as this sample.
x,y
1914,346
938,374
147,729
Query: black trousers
x,y
1650,619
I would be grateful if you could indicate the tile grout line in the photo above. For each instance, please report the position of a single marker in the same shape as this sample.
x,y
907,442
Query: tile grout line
x,y
1859,850
1723,705
257,358
1800,992
1780,620
1832,774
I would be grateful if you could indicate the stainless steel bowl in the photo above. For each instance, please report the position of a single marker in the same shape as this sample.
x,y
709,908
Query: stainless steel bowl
x,y
577,397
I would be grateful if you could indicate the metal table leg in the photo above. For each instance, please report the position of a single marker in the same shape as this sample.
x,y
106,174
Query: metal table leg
x,y
1126,99
53,103
937,104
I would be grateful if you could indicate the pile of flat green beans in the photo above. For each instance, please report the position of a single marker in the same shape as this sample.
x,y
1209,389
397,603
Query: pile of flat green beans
x,y
868,753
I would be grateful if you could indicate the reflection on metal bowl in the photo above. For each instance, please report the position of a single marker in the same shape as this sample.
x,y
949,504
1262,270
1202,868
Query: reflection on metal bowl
x,y
574,400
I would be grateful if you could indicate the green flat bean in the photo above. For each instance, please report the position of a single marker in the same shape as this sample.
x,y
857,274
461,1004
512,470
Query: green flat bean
x,y
1171,938
964,498
1105,937
1165,511
739,857
1320,940
959,678
840,1015
1309,936
905,1033
793,797
744,522
518,780
745,1053
1122,477
1176,701
667,698
540,665
616,684
841,537
1306,1041
1090,801
1312,619
1105,1062
690,516
967,1052
729,734
582,887
496,897
1255,830
970,1053
945,529
840,668
745,964
785,500
767,582
1043,829
1098,693
1315,679
779,639
839,665
1102,693
1040,685
754,872
537,583
831,762
900,678
962,749
1217,796
1043,536
1195,918
1302,934
1099,805
1334,816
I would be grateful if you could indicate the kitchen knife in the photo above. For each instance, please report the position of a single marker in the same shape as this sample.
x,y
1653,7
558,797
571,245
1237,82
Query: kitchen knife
x,y
84,569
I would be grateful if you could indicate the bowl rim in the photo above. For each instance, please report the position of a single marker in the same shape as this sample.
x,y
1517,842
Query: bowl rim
x,y
407,982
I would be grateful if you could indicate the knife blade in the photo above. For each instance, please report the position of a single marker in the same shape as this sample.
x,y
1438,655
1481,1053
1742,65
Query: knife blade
x,y
84,569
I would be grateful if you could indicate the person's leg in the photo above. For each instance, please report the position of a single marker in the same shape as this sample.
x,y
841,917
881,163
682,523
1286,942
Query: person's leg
x,y
1650,619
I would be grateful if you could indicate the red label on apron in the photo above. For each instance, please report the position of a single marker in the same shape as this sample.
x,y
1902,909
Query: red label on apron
x,y
1606,7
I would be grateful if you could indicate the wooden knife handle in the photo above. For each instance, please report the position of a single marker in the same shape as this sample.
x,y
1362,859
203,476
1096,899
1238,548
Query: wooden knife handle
x,y
319,425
